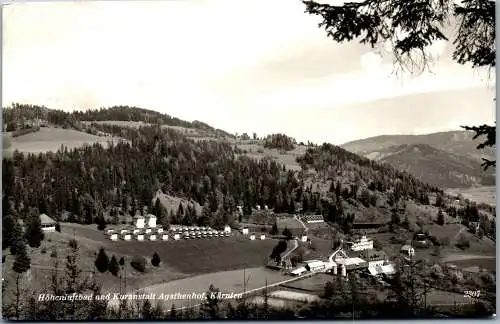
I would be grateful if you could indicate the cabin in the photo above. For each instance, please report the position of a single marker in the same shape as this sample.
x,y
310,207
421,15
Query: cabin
x,y
151,221
48,224
159,230
262,237
303,238
139,221
244,231
164,237
252,237
227,229
126,237
123,231
177,237
113,237
152,237
148,230
139,237
135,231
407,250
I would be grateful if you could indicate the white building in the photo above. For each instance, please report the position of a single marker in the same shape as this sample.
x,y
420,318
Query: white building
x,y
152,237
48,224
227,229
148,230
304,238
313,219
362,244
262,237
177,237
139,221
114,237
123,231
164,237
140,237
244,231
315,265
159,230
298,271
151,221
252,237
126,236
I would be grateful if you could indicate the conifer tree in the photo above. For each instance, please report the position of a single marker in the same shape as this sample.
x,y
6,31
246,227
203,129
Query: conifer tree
x,y
102,261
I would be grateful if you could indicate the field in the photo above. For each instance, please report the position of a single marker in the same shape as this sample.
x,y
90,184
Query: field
x,y
51,139
257,150
485,194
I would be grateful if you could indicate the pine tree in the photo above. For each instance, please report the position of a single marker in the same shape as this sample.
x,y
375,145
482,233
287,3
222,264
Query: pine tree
x,y
102,261
287,233
122,261
34,234
274,229
440,218
113,266
18,241
21,265
155,261
8,231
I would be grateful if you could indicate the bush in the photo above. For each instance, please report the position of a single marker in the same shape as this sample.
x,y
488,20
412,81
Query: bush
x,y
53,254
139,264
43,251
58,227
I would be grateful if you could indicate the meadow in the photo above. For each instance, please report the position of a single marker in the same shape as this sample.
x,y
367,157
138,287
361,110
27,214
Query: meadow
x,y
51,139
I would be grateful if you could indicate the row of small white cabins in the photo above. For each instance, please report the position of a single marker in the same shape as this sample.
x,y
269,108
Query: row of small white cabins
x,y
146,229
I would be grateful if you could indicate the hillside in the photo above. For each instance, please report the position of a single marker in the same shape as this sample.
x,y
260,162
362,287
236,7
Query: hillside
x,y
455,142
20,115
446,159
435,166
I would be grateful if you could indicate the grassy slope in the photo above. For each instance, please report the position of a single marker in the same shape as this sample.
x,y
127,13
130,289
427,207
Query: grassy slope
x,y
180,259
51,139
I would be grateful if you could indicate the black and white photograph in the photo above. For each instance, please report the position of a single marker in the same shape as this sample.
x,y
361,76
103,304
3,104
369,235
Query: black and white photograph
x,y
248,160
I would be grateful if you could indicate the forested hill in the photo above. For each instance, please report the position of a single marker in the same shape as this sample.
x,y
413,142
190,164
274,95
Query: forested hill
x,y
18,114
83,184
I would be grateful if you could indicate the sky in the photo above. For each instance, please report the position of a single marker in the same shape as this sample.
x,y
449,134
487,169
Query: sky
x,y
259,66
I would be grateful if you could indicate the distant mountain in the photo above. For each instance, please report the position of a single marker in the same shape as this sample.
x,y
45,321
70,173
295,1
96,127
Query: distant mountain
x,y
447,159
455,142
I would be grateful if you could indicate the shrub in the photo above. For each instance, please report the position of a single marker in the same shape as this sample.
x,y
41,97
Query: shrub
x,y
139,264
43,251
53,254
58,227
